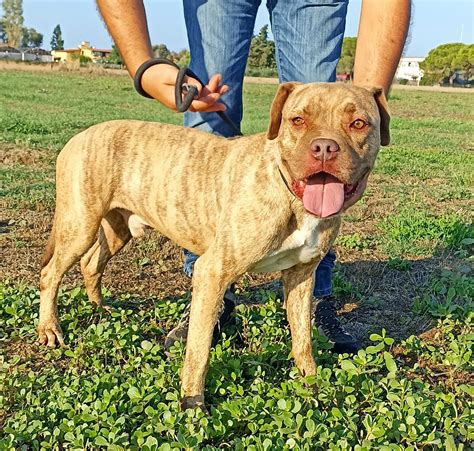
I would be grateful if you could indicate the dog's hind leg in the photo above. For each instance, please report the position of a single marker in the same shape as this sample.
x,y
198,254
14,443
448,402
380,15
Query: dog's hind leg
x,y
114,234
68,241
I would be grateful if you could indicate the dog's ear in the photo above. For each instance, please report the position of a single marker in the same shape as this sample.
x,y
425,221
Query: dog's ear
x,y
284,90
384,112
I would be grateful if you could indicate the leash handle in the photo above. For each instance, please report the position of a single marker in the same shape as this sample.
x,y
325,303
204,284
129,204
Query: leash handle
x,y
189,90
137,80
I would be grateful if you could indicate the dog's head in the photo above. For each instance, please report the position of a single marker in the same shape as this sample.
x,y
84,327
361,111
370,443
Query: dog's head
x,y
328,137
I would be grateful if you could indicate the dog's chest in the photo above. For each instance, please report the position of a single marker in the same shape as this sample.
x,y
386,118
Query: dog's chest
x,y
301,246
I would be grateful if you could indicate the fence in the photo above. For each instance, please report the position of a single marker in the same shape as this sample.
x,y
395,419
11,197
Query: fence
x,y
13,56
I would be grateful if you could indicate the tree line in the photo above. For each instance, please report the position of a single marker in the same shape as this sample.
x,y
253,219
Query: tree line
x,y
14,33
12,29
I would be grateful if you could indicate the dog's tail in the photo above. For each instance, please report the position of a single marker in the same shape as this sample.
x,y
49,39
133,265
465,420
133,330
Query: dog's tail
x,y
49,249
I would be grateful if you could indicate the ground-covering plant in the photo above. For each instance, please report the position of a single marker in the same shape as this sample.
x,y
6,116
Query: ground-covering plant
x,y
113,386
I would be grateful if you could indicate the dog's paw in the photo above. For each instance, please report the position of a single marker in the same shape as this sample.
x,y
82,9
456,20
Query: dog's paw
x,y
105,308
49,333
193,402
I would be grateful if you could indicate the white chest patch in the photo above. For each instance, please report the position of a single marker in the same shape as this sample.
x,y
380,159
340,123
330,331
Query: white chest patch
x,y
300,247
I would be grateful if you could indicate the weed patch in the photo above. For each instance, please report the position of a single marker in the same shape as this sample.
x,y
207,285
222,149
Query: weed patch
x,y
416,233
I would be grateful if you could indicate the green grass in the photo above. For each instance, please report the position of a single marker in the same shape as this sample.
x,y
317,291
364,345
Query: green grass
x,y
113,387
416,232
27,187
47,110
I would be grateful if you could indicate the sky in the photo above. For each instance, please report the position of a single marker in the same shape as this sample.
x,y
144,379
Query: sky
x,y
434,22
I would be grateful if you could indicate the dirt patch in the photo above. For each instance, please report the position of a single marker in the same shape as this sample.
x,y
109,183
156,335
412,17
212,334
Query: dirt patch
x,y
274,81
12,154
145,266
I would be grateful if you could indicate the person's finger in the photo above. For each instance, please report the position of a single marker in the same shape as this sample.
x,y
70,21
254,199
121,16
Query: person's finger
x,y
214,85
213,108
223,89
214,82
207,105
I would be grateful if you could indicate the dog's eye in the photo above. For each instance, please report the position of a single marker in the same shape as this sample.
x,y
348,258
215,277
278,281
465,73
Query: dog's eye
x,y
359,124
298,121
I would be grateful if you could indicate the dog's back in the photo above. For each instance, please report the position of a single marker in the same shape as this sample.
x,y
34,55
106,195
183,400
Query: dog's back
x,y
148,167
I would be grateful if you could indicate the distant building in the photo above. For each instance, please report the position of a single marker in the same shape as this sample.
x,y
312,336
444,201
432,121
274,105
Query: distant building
x,y
85,50
409,69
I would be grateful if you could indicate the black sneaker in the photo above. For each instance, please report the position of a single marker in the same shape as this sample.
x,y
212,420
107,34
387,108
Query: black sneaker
x,y
180,332
325,317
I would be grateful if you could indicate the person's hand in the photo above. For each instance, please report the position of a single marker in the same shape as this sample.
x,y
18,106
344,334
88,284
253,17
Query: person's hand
x,y
159,81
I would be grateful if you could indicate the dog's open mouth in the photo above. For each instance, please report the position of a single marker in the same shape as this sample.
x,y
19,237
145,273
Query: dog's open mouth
x,y
323,194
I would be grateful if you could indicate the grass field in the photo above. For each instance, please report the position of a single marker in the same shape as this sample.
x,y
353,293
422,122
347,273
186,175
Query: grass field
x,y
404,278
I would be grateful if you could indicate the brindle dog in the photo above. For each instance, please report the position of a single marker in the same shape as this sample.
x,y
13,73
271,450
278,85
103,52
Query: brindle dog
x,y
267,202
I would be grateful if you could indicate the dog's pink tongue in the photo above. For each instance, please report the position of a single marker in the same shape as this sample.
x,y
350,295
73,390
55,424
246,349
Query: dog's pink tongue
x,y
323,195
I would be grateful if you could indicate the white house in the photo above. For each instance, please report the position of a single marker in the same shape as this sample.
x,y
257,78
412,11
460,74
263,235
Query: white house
x,y
409,69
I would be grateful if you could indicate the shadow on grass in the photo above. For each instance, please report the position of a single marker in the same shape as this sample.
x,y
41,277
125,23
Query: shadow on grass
x,y
404,297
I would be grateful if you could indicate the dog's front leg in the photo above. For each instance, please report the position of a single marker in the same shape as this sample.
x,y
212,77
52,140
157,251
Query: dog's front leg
x,y
209,284
298,286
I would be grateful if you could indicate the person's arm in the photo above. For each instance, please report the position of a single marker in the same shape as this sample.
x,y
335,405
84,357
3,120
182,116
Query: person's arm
x,y
383,30
127,24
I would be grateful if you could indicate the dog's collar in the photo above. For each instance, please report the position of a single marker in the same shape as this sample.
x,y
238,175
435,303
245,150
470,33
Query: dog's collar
x,y
285,181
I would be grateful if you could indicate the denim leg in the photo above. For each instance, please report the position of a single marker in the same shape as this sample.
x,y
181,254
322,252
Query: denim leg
x,y
219,36
189,260
308,37
323,284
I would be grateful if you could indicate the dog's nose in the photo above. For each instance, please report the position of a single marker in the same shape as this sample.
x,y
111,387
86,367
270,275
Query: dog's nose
x,y
324,149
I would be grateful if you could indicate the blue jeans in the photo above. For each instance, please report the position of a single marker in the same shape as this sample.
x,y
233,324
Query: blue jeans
x,y
308,38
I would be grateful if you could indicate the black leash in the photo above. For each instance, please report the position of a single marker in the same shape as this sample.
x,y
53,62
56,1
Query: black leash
x,y
184,93
286,183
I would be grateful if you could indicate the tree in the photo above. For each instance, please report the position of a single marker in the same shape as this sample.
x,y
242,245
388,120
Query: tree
x,y
346,61
162,51
57,42
3,35
31,38
463,60
115,57
444,61
183,58
13,21
262,51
